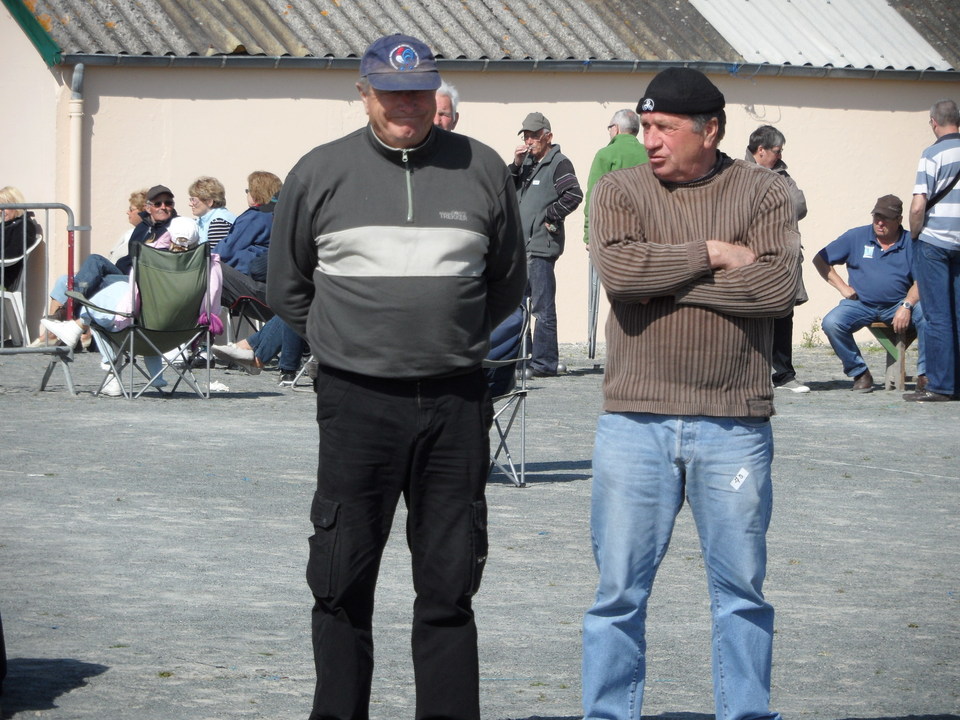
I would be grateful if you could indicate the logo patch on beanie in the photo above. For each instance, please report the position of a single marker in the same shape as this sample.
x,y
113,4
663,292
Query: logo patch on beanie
x,y
647,105
403,58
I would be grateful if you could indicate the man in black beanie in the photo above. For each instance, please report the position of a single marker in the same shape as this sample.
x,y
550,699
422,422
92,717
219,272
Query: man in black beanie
x,y
698,253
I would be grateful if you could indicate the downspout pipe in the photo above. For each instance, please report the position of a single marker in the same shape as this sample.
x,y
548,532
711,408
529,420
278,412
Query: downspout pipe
x,y
75,170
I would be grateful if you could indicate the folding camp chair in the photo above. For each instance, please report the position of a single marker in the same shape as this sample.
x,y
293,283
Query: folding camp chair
x,y
173,293
506,373
246,309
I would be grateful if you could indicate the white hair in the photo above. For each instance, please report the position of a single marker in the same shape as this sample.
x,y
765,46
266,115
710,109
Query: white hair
x,y
451,92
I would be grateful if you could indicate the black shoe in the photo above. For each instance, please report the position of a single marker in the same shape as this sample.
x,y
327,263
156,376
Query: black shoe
x,y
200,361
925,396
287,379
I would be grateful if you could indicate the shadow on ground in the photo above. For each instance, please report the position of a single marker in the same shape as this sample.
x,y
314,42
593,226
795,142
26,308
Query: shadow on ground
x,y
549,472
33,684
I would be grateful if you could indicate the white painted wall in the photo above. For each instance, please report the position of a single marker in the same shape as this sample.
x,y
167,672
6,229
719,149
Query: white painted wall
x,y
29,139
848,141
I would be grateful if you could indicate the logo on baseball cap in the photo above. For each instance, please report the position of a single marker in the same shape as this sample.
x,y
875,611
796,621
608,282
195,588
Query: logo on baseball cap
x,y
400,62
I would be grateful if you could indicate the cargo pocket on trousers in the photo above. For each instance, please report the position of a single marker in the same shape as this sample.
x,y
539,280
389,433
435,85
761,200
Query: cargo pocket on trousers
x,y
321,567
480,545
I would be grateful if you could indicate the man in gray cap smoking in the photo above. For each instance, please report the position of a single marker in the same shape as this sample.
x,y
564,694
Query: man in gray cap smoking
x,y
548,191
395,251
698,253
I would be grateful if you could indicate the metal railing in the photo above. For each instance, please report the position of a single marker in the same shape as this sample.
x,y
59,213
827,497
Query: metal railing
x,y
15,296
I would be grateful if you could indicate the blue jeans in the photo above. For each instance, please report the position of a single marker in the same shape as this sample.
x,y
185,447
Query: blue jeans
x,y
94,272
845,319
938,277
643,465
113,294
277,337
543,297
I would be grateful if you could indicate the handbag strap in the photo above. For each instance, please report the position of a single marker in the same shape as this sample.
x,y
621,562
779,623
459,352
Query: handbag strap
x,y
940,195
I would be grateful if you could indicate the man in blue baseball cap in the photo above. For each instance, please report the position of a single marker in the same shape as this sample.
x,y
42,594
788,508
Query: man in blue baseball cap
x,y
395,251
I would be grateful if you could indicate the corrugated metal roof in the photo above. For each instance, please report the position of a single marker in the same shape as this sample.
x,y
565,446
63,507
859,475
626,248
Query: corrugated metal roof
x,y
466,29
572,33
822,33
938,21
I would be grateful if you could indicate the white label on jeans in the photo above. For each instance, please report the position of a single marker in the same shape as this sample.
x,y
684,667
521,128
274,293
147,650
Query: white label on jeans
x,y
738,480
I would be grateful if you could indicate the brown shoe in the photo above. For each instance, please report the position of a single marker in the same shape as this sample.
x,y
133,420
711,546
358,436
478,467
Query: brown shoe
x,y
863,383
921,383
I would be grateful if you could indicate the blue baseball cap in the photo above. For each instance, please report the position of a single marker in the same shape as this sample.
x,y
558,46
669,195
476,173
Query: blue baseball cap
x,y
400,62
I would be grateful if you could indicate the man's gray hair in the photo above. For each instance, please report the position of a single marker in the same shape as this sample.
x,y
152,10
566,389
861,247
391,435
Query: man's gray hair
x,y
700,122
626,120
944,112
451,92
765,136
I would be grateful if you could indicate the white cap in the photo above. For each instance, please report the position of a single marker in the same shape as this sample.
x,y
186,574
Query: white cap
x,y
183,232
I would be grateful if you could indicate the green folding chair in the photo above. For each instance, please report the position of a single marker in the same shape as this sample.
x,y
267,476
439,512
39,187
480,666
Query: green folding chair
x,y
173,293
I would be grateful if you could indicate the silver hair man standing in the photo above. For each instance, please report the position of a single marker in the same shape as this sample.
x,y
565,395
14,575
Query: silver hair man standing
x,y
448,102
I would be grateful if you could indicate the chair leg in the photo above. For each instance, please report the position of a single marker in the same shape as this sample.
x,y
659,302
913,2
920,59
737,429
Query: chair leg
x,y
64,358
901,361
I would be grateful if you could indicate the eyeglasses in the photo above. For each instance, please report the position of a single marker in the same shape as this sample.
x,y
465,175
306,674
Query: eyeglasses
x,y
611,125
161,203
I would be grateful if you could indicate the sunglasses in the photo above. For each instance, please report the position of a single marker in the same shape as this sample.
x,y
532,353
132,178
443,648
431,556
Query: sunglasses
x,y
162,203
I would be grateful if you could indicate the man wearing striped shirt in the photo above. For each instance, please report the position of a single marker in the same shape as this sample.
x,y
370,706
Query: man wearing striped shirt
x,y
935,222
698,253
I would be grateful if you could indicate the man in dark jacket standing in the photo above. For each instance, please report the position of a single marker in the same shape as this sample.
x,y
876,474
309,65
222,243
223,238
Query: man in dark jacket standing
x,y
395,251
548,191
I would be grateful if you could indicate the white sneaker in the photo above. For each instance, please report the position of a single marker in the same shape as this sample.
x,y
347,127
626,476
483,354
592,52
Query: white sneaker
x,y
66,330
794,386
112,388
238,356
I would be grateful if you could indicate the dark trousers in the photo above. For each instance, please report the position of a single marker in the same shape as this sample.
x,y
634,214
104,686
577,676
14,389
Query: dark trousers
x,y
236,285
543,301
429,442
783,371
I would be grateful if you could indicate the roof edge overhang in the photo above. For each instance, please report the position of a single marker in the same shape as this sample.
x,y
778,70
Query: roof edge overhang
x,y
48,49
747,70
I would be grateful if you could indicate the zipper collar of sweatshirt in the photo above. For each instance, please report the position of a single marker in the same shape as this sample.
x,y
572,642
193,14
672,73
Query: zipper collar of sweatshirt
x,y
403,156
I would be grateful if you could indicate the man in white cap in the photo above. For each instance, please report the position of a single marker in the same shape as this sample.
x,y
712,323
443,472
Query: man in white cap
x,y
395,251
698,253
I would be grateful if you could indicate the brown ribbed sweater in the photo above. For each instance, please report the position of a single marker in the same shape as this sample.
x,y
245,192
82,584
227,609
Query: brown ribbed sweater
x,y
701,344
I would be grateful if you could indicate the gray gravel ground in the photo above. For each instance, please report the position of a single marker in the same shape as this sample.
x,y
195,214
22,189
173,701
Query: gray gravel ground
x,y
152,557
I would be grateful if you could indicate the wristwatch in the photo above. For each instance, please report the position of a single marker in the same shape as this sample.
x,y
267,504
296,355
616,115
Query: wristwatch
x,y
907,304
